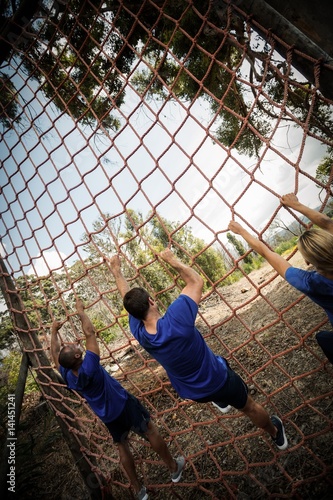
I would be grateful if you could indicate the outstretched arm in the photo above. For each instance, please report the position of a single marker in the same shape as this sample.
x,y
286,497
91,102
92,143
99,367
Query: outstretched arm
x,y
121,283
275,260
321,220
88,329
194,282
55,342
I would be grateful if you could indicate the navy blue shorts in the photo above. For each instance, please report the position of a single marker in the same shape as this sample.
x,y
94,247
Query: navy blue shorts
x,y
134,417
234,392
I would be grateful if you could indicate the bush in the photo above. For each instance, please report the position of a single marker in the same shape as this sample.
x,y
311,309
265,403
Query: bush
x,y
286,245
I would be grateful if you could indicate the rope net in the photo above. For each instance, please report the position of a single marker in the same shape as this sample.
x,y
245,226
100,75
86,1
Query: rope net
x,y
130,126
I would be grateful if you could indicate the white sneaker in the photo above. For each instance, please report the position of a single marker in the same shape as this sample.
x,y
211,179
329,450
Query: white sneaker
x,y
222,409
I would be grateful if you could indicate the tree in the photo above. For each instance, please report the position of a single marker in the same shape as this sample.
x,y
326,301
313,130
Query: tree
x,y
9,104
139,242
204,62
239,247
83,57
65,59
325,168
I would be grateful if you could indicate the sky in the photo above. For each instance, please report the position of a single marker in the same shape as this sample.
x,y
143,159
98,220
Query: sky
x,y
57,179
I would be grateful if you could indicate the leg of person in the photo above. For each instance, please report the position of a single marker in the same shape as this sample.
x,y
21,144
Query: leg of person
x,y
235,393
259,416
160,447
119,430
127,461
325,340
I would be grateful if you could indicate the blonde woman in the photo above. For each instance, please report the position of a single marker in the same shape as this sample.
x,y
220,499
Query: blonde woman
x,y
316,246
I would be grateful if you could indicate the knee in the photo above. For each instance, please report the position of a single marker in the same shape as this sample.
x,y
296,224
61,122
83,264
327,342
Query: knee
x,y
324,335
325,340
151,430
250,407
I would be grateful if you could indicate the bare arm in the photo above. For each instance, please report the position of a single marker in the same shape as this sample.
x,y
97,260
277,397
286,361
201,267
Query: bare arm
x,y
321,220
88,329
121,283
55,342
194,282
275,260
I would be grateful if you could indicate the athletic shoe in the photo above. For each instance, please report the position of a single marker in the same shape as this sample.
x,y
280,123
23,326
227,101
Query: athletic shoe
x,y
175,476
142,495
223,409
280,440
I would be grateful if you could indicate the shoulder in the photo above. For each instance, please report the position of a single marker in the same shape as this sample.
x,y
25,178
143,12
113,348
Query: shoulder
x,y
134,323
302,279
90,355
63,372
183,305
297,273
91,361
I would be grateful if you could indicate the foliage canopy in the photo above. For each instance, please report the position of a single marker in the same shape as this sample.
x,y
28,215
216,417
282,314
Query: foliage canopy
x,y
85,55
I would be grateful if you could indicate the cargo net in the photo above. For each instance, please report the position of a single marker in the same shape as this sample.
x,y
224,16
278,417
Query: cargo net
x,y
132,126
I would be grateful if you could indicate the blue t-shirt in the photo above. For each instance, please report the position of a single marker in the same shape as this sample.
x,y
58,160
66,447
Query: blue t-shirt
x,y
315,286
105,396
193,369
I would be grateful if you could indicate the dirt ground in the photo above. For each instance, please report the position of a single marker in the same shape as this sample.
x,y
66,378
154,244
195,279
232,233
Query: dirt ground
x,y
273,347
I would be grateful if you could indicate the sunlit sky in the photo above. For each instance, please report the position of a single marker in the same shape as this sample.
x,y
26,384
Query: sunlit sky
x,y
55,184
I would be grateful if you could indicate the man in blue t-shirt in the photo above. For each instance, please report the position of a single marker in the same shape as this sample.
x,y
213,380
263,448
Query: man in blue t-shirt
x,y
194,370
120,411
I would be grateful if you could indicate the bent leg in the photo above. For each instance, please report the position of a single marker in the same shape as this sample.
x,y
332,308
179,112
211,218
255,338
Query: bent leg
x,y
259,416
127,461
160,447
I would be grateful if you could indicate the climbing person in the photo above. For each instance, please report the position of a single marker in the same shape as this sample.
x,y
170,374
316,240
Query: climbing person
x,y
120,411
194,371
316,247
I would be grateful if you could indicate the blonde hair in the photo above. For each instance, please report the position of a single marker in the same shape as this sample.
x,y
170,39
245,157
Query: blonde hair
x,y
316,246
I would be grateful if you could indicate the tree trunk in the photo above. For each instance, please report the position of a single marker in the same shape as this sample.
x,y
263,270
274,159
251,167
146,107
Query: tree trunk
x,y
11,29
272,20
315,23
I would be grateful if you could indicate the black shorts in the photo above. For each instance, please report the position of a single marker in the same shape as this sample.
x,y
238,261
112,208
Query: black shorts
x,y
134,417
234,392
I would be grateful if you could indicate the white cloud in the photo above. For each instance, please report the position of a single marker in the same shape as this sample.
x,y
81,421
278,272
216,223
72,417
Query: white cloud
x,y
48,261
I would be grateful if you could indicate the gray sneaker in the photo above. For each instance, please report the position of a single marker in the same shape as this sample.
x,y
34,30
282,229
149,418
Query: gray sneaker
x,y
142,495
175,476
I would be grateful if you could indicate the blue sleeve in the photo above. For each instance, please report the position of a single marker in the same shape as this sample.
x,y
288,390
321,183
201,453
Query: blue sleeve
x,y
299,279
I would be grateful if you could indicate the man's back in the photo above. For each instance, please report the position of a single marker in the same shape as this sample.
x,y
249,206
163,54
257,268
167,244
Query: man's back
x,y
194,370
103,393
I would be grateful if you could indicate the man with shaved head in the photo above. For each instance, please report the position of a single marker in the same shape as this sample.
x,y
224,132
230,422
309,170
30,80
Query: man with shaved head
x,y
120,411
